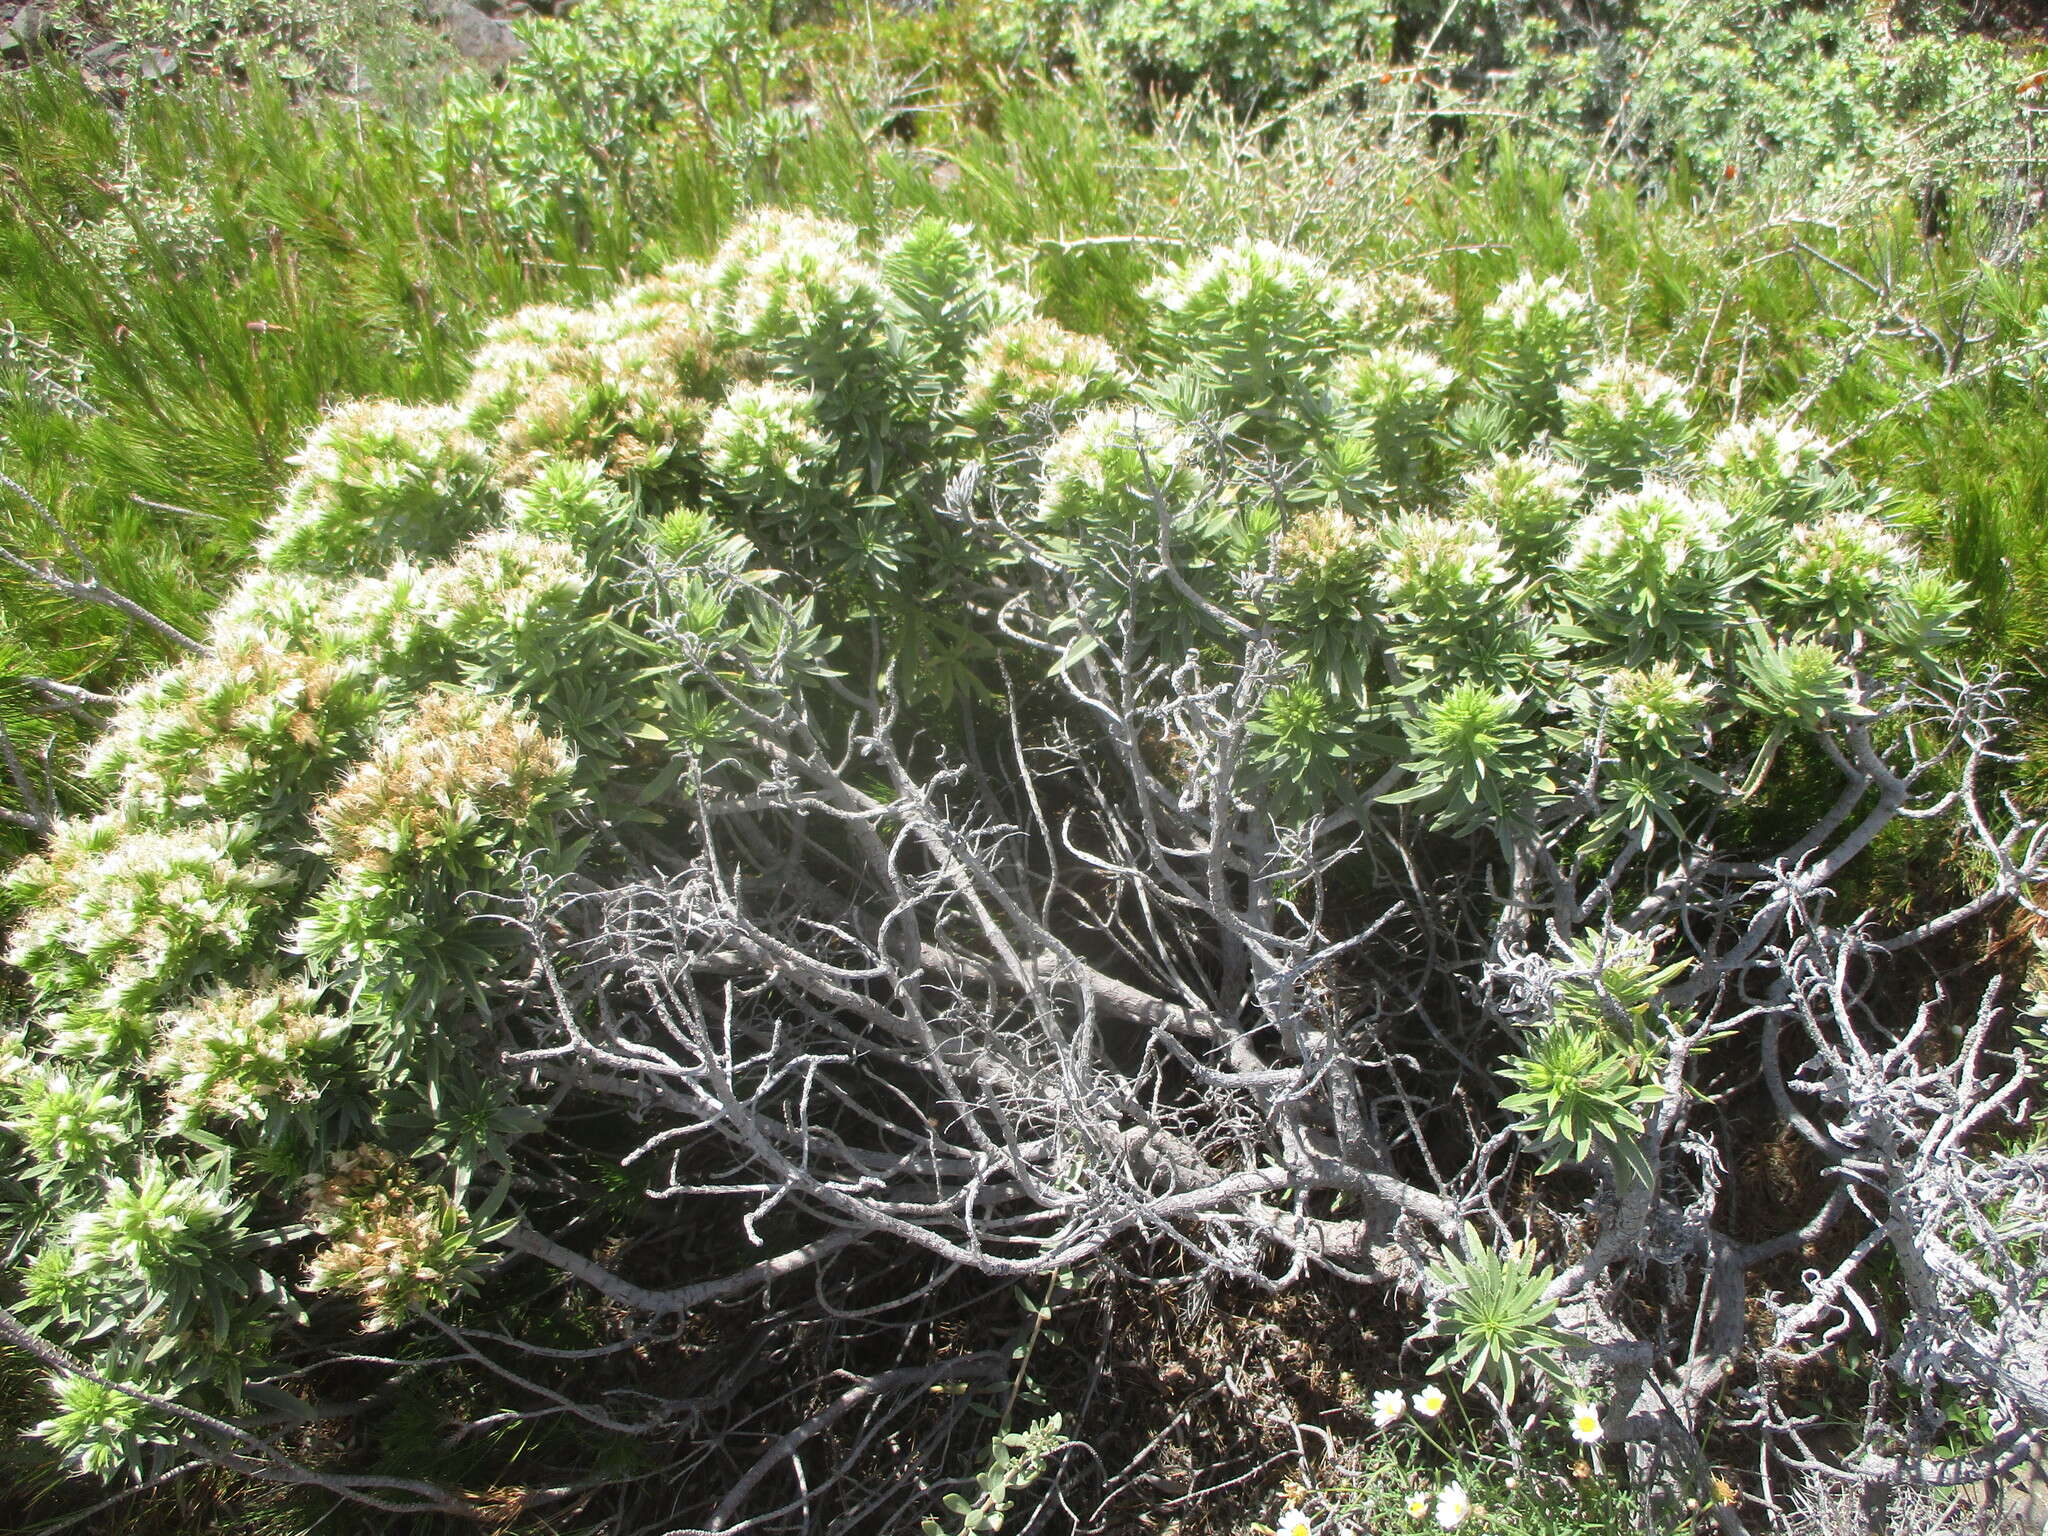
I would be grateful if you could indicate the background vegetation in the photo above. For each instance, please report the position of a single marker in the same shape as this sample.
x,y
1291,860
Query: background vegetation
x,y
1822,209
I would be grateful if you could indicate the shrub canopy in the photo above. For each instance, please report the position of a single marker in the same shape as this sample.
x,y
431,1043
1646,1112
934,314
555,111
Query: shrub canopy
x,y
810,768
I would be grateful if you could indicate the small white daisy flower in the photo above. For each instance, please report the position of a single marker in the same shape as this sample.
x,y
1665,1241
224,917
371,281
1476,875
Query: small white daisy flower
x,y
1387,1408
1452,1506
1294,1523
1586,1424
1429,1402
1418,1503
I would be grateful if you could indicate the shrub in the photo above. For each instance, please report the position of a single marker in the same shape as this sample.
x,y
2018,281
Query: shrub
x,y
1795,92
1251,54
340,45
887,795
583,121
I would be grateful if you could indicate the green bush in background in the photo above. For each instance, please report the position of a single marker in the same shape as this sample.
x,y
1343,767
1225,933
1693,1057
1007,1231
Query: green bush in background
x,y
1803,93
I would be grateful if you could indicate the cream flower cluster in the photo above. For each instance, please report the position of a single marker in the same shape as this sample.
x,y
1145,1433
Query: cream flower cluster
x,y
1254,272
1770,452
458,764
1113,466
1622,418
765,437
1530,302
1258,322
623,383
1531,497
119,913
1623,389
1659,709
1401,385
239,1051
1648,535
785,273
1437,565
1035,366
504,581
221,730
66,1117
1293,287
1324,545
155,1223
299,669
1846,564
374,478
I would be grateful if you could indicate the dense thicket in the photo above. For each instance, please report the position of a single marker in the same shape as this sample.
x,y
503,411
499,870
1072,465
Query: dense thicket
x,y
811,782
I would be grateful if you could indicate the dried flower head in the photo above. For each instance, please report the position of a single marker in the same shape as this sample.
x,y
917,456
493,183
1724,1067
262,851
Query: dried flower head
x,y
1391,305
456,773
395,1242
